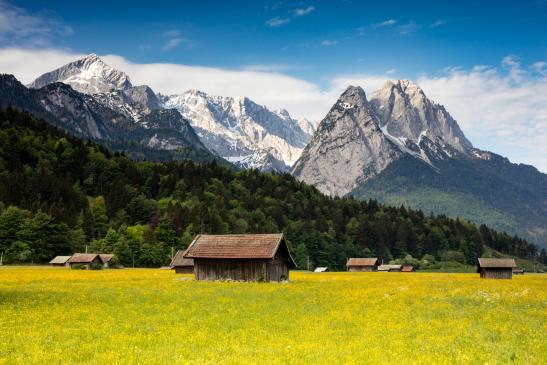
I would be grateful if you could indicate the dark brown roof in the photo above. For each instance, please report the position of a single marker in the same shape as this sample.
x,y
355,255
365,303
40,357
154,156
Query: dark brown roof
x,y
236,246
106,257
368,261
497,263
179,259
83,258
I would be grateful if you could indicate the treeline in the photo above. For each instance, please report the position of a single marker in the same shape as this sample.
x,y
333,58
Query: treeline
x,y
59,194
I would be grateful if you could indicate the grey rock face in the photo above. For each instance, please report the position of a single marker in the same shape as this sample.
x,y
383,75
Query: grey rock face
x,y
89,75
347,148
406,113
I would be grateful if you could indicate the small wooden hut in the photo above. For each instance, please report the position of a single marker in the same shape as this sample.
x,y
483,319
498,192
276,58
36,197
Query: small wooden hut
x,y
60,261
496,268
390,268
85,259
106,258
518,271
182,265
362,264
241,257
408,268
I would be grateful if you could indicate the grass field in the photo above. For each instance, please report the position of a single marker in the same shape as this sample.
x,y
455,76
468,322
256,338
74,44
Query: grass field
x,y
59,316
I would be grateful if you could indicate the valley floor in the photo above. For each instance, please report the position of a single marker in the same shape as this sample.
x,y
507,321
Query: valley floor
x,y
148,316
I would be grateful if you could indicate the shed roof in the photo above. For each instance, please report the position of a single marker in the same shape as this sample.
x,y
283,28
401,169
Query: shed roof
x,y
106,257
496,263
389,267
84,258
407,268
60,260
179,259
236,246
320,269
368,261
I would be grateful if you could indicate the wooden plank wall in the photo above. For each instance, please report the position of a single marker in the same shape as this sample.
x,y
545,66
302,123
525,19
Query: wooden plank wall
x,y
240,269
497,273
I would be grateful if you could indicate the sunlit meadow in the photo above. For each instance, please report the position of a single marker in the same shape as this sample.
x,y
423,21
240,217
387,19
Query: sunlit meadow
x,y
57,315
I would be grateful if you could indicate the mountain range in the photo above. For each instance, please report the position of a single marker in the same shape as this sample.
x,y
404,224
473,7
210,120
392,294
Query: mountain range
x,y
398,146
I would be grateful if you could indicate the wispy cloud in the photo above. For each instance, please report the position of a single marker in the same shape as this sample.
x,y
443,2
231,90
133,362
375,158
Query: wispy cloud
x,y
174,40
408,28
329,42
540,67
267,68
276,22
385,23
303,11
21,28
391,71
438,23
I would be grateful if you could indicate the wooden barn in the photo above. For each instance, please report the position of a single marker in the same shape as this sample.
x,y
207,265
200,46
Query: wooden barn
x,y
362,264
106,259
60,261
390,268
85,259
496,268
241,257
408,268
182,265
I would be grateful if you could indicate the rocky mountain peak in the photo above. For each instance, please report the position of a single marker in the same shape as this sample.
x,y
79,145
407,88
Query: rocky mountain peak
x,y
88,75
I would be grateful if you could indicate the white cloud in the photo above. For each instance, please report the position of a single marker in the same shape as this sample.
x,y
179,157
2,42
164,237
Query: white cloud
x,y
496,111
408,28
277,22
329,42
385,23
540,67
304,11
17,26
437,23
172,44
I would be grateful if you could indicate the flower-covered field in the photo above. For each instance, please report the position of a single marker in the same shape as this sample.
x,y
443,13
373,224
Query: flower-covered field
x,y
145,316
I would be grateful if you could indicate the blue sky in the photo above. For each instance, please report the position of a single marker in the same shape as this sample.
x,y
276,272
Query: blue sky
x,y
486,61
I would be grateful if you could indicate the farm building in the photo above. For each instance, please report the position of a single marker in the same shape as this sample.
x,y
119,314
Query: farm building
x,y
60,261
241,257
85,259
390,268
518,271
182,265
321,269
106,258
496,268
408,268
362,264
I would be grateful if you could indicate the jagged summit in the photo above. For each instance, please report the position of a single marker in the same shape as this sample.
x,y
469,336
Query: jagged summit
x,y
88,75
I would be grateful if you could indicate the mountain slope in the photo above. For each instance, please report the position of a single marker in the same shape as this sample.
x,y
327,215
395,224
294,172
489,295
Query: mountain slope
x,y
238,128
155,133
347,148
429,163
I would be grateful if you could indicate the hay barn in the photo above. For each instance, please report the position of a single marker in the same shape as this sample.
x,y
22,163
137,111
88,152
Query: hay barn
x,y
241,257
408,268
60,261
182,265
496,268
85,259
362,264
390,268
106,259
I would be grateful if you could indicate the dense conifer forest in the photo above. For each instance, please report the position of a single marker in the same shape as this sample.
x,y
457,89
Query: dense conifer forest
x,y
59,194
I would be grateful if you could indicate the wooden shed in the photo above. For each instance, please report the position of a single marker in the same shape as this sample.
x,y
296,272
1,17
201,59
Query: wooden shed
x,y
496,268
241,257
182,265
60,261
390,268
85,259
408,268
106,258
362,264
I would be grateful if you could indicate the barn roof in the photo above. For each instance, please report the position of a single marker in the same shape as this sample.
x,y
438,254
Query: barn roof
x,y
84,258
236,246
60,260
321,269
496,263
179,259
407,268
368,261
106,257
389,267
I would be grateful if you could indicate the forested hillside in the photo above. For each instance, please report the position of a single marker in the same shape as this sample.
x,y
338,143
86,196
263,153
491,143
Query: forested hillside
x,y
59,193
